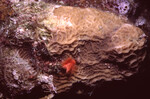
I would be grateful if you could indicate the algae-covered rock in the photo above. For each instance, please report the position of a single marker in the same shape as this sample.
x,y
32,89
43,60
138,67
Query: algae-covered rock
x,y
18,74
16,69
5,10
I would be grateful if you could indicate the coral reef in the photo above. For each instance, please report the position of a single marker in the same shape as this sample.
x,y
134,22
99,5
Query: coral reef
x,y
43,42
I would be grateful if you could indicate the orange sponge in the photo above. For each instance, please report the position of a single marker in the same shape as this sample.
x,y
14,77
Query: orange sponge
x,y
69,64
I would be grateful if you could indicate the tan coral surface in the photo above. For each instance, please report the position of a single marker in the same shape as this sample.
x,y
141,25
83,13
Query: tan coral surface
x,y
105,46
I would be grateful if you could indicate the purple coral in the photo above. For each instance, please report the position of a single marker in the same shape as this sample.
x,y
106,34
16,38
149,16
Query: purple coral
x,y
121,6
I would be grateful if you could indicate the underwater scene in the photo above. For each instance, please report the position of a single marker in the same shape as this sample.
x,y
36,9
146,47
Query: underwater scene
x,y
74,49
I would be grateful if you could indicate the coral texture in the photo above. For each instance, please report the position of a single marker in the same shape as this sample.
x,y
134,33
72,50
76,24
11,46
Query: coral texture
x,y
39,39
103,45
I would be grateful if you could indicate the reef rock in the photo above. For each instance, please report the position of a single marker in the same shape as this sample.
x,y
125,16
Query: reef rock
x,y
104,46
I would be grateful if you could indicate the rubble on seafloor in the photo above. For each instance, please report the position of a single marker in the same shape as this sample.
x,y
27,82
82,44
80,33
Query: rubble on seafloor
x,y
38,38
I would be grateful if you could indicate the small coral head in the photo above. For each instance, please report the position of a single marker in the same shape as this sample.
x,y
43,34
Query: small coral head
x,y
69,64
